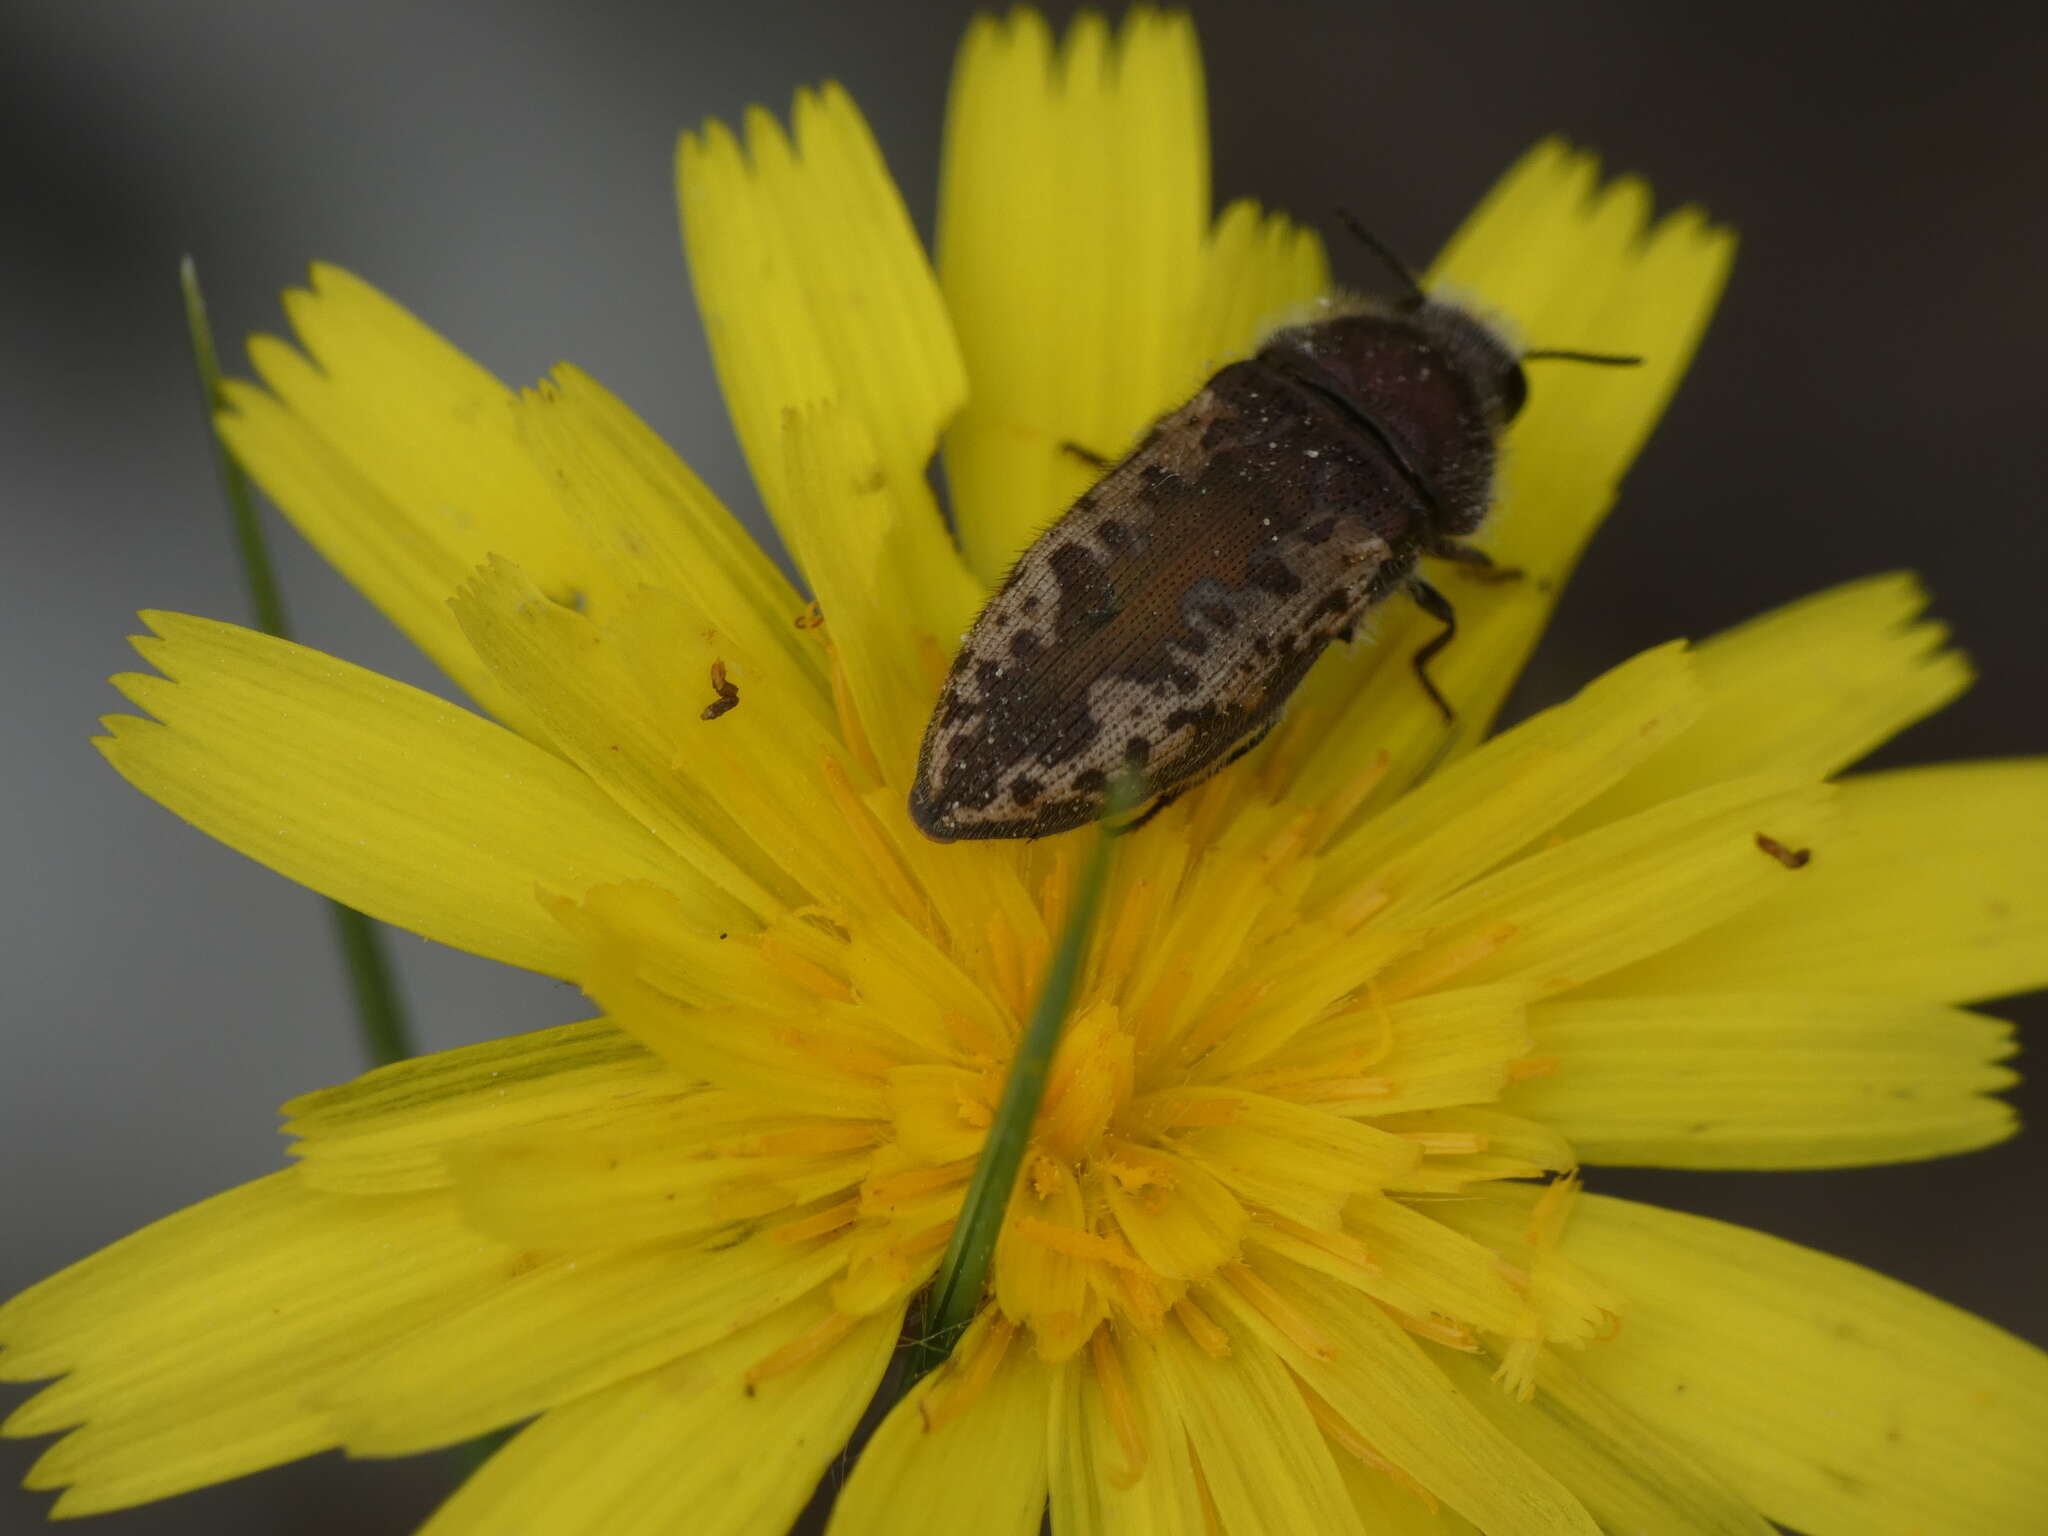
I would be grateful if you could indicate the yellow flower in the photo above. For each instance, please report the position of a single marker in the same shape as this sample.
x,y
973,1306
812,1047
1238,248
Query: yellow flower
x,y
1300,1244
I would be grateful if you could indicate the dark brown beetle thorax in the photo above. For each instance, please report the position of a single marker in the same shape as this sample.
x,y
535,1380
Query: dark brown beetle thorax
x,y
1432,385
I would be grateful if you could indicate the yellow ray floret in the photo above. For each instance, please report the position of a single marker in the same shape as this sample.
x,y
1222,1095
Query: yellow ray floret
x,y
1887,1411
379,795
698,1446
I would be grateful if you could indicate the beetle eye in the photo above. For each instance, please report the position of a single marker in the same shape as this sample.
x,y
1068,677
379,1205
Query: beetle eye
x,y
1514,392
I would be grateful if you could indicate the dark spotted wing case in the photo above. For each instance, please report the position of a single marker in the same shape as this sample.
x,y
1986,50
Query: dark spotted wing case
x,y
1166,617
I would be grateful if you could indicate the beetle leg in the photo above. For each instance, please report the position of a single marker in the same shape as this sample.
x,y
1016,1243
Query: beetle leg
x,y
1438,607
1477,562
1087,456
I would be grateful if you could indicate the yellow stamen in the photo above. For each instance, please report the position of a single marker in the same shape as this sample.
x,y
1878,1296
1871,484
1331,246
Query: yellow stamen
x,y
1350,913
1289,840
973,1375
1516,1374
1277,1310
801,1350
894,1189
820,1223
1141,1296
1116,1402
1338,1245
1440,1330
1207,1333
1350,1441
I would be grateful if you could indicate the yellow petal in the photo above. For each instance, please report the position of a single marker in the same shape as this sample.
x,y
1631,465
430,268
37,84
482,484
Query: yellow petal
x,y
1520,1222
640,733
1473,1144
891,613
1607,898
642,963
657,1171
390,1130
1390,1509
1119,1461
940,1113
1425,1267
816,297
654,522
1932,891
1072,206
1506,796
1445,1048
381,796
1808,688
1768,1080
1382,1385
1036,1282
1263,1460
960,1453
1179,1218
1629,1476
1835,1399
563,1328
1258,269
402,461
1301,1161
1565,262
197,1344
697,1446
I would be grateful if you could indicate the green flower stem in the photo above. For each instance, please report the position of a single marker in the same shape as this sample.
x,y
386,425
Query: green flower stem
x,y
964,1271
379,1018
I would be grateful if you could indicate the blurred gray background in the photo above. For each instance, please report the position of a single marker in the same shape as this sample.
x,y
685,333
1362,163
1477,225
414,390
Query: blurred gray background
x,y
1870,399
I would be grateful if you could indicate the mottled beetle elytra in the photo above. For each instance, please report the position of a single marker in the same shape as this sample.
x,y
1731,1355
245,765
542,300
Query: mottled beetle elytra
x,y
1158,626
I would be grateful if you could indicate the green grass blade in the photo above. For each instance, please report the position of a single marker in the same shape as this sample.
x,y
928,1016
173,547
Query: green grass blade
x,y
380,1020
963,1273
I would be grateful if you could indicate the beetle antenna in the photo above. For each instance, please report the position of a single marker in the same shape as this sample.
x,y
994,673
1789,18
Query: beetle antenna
x,y
1415,297
1557,355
